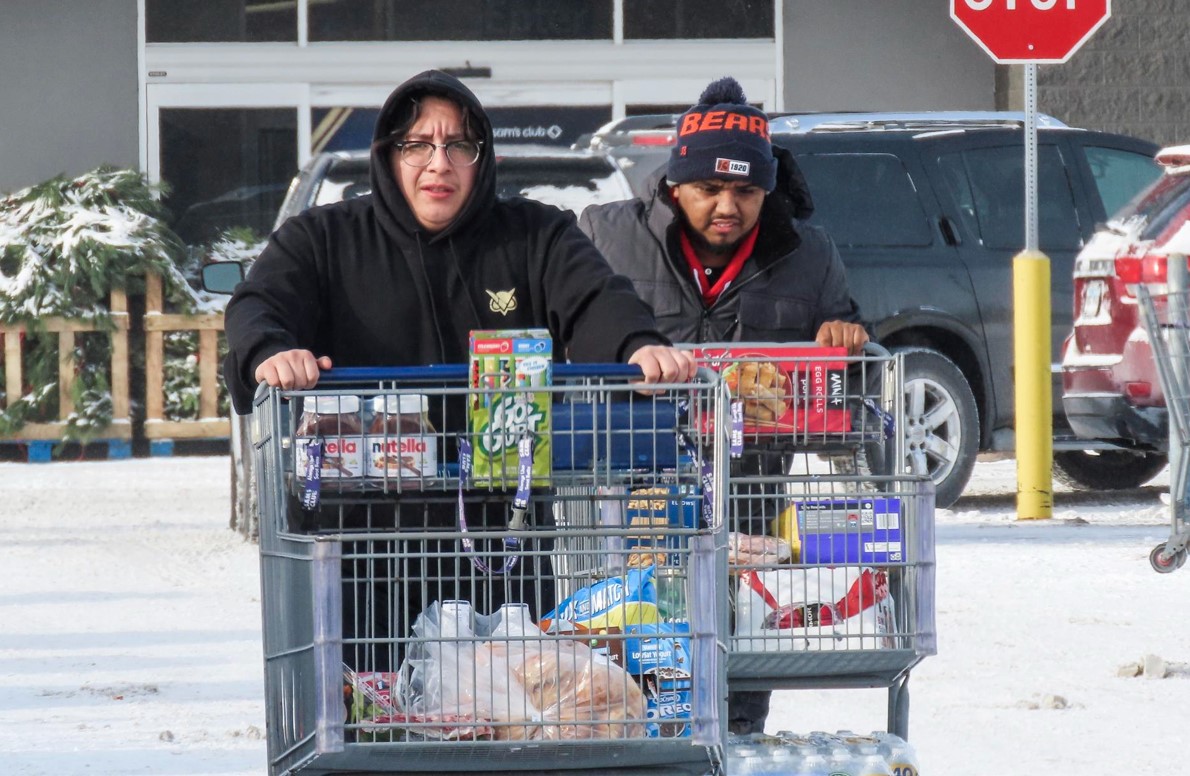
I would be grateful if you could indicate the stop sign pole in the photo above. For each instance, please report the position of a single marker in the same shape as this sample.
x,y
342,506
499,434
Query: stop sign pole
x,y
1031,32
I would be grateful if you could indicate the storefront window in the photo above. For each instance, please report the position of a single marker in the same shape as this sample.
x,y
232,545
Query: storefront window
x,y
226,168
214,21
670,19
350,20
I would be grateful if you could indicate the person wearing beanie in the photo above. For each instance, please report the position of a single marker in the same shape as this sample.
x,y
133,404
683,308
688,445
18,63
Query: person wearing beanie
x,y
720,249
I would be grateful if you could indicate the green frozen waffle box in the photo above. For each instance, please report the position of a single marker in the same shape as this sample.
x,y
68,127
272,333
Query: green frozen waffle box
x,y
505,366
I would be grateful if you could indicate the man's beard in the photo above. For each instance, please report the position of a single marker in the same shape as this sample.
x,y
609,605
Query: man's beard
x,y
702,244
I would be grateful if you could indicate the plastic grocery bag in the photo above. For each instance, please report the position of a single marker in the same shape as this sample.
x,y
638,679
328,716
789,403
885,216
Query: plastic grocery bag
x,y
450,677
747,550
579,693
817,608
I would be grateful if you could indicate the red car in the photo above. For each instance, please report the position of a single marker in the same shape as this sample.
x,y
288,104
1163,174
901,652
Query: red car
x,y
1111,393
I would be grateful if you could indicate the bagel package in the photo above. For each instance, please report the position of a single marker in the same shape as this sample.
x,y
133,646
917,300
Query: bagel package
x,y
783,388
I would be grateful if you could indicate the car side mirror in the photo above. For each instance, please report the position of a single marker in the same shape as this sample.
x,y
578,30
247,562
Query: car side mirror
x,y
222,277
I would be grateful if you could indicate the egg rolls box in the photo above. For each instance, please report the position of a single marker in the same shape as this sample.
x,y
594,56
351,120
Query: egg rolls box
x,y
504,368
804,389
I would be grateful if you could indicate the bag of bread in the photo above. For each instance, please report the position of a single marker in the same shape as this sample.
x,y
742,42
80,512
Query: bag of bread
x,y
581,695
450,675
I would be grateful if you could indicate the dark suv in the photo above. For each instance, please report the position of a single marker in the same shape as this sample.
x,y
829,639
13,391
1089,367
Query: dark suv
x,y
928,218
928,212
1112,393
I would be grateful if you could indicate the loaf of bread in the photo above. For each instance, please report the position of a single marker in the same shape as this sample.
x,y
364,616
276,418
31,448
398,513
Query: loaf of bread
x,y
571,684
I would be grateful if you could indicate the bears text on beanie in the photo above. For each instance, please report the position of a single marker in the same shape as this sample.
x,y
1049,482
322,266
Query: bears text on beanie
x,y
725,138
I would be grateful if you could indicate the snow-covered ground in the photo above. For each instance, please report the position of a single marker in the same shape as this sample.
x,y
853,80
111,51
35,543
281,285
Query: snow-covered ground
x,y
130,632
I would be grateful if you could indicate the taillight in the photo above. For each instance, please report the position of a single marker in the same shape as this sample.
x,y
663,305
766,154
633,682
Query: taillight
x,y
654,139
1138,389
1130,270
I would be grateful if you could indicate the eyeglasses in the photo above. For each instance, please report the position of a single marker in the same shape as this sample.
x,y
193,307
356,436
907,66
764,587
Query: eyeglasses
x,y
420,153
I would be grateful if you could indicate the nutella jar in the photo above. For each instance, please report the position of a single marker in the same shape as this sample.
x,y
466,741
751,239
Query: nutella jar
x,y
401,442
336,420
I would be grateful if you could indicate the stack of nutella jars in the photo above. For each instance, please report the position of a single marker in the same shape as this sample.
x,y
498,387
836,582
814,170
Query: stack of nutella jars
x,y
392,439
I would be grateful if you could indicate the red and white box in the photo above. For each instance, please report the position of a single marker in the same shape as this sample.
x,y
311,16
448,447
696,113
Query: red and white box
x,y
783,388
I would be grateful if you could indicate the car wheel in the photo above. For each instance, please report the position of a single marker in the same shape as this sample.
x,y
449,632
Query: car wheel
x,y
941,424
1106,469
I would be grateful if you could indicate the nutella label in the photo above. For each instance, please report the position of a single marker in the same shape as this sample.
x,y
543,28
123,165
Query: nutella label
x,y
407,457
342,457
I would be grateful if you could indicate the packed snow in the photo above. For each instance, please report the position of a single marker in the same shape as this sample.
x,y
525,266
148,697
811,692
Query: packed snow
x,y
130,632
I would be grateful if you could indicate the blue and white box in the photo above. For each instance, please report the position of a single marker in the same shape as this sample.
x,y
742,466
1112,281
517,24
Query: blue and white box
x,y
861,530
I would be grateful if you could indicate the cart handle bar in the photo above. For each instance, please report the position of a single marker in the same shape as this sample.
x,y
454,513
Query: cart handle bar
x,y
447,372
450,372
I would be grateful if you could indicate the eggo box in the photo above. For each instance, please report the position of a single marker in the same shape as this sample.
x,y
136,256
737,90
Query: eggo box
x,y
783,388
503,410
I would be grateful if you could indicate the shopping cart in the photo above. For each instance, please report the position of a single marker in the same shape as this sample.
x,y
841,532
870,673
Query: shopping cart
x,y
425,611
830,547
1166,316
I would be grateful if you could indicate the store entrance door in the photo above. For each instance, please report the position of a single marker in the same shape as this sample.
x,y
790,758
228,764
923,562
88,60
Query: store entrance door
x,y
226,153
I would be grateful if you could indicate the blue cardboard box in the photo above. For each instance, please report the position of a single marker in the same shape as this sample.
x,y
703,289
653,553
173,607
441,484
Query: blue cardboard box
x,y
862,530
619,435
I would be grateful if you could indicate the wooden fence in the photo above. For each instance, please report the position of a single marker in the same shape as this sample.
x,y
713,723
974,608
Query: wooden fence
x,y
208,325
41,436
210,425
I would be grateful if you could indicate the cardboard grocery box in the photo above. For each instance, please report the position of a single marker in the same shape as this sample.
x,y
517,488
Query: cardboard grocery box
x,y
783,388
861,530
655,512
505,366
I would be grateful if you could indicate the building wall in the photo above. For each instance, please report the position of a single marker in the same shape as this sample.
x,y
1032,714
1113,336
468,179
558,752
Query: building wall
x,y
1132,76
888,55
68,89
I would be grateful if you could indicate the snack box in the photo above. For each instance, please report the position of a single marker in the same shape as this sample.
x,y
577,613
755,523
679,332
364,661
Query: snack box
x,y
862,530
505,365
783,388
656,512
659,656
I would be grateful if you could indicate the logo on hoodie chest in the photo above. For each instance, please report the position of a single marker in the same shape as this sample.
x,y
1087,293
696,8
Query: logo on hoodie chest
x,y
502,302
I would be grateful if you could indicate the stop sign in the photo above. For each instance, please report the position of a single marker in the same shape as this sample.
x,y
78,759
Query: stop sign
x,y
1013,31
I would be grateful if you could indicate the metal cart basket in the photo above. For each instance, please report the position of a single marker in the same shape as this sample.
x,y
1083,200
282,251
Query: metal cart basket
x,y
445,594
1166,316
830,549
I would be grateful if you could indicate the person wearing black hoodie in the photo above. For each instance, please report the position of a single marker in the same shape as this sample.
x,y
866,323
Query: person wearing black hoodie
x,y
722,253
400,278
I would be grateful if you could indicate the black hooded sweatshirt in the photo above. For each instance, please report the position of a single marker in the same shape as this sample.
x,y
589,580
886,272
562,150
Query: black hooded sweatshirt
x,y
362,282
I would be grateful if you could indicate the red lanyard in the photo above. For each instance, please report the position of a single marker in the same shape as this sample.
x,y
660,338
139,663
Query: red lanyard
x,y
711,294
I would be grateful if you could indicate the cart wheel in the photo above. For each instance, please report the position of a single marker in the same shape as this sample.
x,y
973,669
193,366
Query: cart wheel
x,y
1164,564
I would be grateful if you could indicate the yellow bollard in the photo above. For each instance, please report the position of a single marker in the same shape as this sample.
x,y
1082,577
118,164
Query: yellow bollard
x,y
1032,386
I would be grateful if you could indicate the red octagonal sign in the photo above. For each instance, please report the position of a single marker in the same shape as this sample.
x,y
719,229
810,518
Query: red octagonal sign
x,y
1014,31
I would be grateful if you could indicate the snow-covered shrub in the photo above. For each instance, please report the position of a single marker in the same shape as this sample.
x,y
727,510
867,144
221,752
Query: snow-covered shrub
x,y
64,244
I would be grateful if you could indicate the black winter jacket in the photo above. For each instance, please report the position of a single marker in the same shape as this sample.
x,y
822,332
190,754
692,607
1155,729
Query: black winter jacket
x,y
793,282
362,282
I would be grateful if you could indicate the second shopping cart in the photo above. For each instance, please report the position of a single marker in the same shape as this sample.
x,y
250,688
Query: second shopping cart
x,y
831,548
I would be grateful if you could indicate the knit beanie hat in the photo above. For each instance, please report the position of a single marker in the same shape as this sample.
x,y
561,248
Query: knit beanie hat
x,y
723,137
